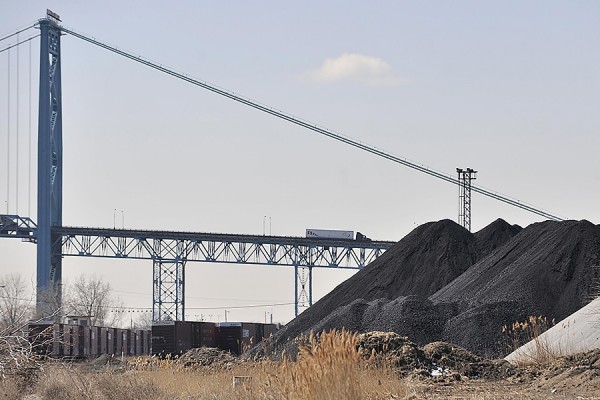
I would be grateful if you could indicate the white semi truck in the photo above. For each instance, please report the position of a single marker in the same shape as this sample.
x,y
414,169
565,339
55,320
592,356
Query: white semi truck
x,y
329,234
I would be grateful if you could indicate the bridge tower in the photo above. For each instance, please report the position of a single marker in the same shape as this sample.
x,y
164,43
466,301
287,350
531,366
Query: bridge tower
x,y
49,189
464,196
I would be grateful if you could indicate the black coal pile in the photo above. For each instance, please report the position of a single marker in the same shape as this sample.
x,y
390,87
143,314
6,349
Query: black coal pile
x,y
441,282
412,316
424,261
494,235
549,269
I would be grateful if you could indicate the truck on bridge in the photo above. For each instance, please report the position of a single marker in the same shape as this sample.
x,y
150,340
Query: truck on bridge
x,y
335,234
329,234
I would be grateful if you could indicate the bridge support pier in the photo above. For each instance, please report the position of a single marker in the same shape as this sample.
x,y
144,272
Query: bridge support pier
x,y
302,282
168,301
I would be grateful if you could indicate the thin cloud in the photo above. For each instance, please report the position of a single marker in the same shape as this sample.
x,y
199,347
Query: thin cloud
x,y
357,68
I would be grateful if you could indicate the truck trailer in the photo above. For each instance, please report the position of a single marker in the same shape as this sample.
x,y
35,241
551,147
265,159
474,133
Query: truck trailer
x,y
329,234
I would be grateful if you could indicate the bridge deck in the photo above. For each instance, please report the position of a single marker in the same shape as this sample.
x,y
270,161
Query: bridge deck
x,y
202,246
218,247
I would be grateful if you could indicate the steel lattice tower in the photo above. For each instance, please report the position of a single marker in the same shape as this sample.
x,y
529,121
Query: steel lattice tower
x,y
168,296
301,281
49,214
464,196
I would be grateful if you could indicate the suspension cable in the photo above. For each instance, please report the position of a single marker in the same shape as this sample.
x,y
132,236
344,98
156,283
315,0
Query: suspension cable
x,y
29,142
19,43
16,33
17,138
8,138
313,127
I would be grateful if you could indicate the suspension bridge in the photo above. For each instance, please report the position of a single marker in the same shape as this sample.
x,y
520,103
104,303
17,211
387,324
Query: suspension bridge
x,y
170,251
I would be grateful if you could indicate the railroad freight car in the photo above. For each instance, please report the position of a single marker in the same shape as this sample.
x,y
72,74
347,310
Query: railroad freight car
x,y
176,337
237,337
95,341
58,344
41,336
172,337
80,341
204,334
119,340
144,341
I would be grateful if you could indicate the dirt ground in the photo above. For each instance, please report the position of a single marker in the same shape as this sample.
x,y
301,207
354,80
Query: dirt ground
x,y
371,366
571,377
559,380
578,388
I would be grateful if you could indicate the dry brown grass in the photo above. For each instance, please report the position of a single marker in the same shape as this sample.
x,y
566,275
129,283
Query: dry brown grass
x,y
67,382
520,333
328,367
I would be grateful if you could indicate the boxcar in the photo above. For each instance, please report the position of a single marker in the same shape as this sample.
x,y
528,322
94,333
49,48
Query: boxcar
x,y
204,334
237,337
174,337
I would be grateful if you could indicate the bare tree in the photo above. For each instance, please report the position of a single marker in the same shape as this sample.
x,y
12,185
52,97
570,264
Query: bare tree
x,y
15,303
143,321
92,297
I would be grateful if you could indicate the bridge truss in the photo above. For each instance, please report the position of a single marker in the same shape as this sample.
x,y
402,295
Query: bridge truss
x,y
171,251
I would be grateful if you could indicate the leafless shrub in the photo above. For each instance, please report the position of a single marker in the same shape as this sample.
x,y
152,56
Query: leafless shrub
x,y
18,362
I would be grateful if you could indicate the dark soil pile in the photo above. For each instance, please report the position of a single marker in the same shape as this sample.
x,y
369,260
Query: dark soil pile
x,y
437,360
460,361
577,370
206,357
441,282
574,376
394,350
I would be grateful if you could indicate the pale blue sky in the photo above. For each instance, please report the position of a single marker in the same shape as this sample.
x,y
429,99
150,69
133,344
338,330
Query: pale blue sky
x,y
509,88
